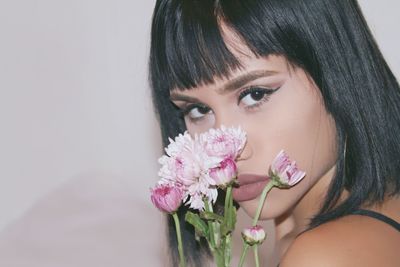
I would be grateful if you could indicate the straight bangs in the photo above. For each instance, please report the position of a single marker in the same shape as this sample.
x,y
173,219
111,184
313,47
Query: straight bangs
x,y
188,45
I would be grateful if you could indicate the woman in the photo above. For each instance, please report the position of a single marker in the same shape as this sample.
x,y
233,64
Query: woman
x,y
303,76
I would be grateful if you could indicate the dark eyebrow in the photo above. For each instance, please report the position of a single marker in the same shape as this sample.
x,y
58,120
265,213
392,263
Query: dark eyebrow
x,y
231,85
244,79
179,97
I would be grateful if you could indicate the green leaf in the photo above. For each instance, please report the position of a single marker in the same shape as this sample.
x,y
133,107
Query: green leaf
x,y
229,224
199,225
210,216
224,230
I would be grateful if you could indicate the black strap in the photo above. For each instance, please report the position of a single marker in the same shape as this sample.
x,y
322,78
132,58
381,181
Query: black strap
x,y
378,216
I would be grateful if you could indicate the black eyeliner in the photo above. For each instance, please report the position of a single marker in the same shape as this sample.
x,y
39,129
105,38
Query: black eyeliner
x,y
251,89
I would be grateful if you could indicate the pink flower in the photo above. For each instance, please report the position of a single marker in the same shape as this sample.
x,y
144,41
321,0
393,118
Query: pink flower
x,y
181,169
180,143
253,235
179,164
167,198
223,142
285,172
225,173
187,164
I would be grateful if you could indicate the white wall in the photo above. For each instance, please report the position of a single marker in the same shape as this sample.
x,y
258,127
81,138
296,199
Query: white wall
x,y
384,20
74,96
74,102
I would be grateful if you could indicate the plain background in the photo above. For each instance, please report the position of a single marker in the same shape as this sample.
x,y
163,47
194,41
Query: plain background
x,y
78,138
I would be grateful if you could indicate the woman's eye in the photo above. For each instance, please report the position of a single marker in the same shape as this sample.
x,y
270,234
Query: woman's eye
x,y
196,111
255,96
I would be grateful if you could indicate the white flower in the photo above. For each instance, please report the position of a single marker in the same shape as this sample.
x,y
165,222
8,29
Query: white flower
x,y
223,142
177,145
187,164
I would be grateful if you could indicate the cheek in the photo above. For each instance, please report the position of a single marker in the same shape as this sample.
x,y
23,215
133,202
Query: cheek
x,y
300,125
200,126
297,122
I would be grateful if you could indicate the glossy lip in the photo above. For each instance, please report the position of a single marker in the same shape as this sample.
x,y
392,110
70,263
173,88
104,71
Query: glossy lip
x,y
250,186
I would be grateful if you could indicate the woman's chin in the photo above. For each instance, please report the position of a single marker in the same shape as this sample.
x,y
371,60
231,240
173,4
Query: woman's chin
x,y
268,213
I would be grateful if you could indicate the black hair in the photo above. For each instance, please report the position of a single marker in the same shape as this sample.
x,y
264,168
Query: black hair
x,y
330,41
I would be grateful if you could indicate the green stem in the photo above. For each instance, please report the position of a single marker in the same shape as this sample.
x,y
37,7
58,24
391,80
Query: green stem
x,y
255,248
227,200
210,225
182,262
266,189
219,258
228,250
243,256
215,242
264,193
228,206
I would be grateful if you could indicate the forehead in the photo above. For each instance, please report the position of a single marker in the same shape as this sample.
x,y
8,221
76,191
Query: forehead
x,y
252,68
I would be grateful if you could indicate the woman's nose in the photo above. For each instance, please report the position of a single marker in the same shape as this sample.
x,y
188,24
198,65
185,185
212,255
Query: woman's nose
x,y
225,119
247,151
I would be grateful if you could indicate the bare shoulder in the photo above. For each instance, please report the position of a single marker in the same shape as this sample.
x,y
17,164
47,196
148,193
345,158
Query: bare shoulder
x,y
349,241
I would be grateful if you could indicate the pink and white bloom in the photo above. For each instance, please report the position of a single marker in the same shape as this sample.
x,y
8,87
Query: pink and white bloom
x,y
167,198
253,235
185,160
224,142
225,173
187,164
191,163
178,144
285,172
204,189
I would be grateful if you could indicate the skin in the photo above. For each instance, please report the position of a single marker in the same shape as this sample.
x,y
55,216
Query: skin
x,y
349,241
302,127
292,118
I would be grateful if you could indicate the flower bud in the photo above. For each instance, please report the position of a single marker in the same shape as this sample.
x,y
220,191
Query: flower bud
x,y
285,172
167,198
253,235
225,173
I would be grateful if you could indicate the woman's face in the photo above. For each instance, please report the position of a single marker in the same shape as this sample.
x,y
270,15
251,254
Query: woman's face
x,y
279,107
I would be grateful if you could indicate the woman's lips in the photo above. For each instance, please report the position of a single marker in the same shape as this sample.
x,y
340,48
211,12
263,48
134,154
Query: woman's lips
x,y
250,186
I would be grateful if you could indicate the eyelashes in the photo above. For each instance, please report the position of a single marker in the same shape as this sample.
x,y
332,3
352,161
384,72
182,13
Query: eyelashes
x,y
250,98
196,110
253,97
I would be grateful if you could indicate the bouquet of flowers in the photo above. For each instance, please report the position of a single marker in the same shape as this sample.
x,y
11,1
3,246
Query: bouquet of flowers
x,y
194,168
